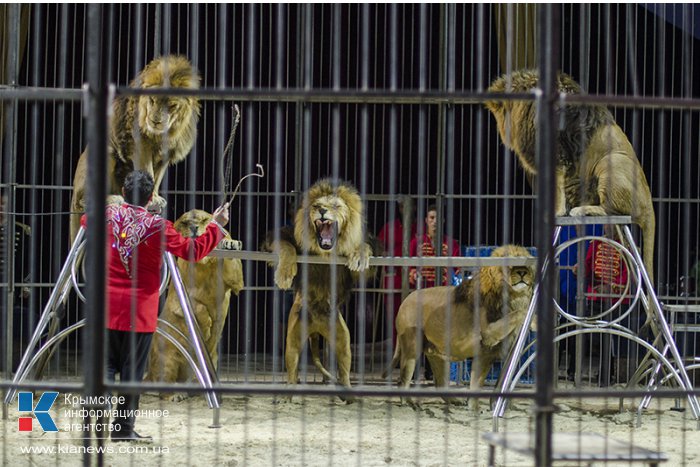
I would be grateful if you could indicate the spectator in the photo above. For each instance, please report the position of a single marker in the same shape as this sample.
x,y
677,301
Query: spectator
x,y
425,247
132,308
425,276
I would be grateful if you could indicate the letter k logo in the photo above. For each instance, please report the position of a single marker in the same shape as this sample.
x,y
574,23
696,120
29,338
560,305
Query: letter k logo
x,y
41,411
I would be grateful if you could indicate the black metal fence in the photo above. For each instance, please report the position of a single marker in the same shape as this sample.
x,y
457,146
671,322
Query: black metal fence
x,y
388,97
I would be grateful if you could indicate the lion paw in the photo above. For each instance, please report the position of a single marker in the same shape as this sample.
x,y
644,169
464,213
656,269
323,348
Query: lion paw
x,y
359,260
348,399
414,404
157,204
115,199
580,211
179,397
228,244
284,276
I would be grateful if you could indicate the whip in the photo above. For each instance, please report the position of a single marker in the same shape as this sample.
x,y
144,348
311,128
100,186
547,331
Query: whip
x,y
229,162
260,173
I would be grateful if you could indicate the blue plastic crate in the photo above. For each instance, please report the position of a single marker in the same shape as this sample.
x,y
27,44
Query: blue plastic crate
x,y
460,372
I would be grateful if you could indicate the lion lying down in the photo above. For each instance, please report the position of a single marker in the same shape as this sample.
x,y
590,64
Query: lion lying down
x,y
484,334
209,284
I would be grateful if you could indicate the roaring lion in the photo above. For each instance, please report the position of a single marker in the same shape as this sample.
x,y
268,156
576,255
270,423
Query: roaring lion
x,y
597,170
209,284
146,132
330,222
449,328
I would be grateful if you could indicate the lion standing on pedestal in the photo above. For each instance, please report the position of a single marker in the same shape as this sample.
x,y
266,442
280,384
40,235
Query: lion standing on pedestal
x,y
597,170
330,222
146,132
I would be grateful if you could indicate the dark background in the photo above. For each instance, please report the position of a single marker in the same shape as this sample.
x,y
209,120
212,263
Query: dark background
x,y
614,50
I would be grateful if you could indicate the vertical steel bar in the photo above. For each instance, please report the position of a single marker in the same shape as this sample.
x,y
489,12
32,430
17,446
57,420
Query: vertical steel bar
x,y
167,28
336,11
450,66
250,161
280,203
9,108
548,27
479,163
206,366
364,170
96,121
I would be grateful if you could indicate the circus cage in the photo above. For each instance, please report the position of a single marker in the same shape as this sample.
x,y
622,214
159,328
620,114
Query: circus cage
x,y
392,99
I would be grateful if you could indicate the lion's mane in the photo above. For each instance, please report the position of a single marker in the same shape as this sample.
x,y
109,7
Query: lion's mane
x,y
349,214
171,146
494,286
580,121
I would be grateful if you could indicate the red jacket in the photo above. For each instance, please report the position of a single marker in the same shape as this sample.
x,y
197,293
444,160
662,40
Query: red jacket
x,y
424,248
392,278
132,292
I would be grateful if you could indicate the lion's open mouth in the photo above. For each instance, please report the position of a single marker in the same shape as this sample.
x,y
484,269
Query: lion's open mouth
x,y
326,233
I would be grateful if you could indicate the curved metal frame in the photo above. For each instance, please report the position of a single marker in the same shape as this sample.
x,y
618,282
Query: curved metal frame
x,y
68,279
593,324
631,266
666,362
212,399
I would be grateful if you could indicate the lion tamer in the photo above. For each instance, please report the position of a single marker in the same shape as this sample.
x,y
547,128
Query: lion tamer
x,y
449,327
329,222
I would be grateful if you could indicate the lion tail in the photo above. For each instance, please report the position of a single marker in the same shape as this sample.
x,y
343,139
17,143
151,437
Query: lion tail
x,y
394,361
648,235
314,342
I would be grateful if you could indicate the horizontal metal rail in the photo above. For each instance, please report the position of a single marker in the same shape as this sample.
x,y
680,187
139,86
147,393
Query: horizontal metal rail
x,y
438,261
355,96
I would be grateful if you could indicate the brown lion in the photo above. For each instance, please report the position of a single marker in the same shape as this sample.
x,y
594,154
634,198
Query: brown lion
x,y
330,222
209,284
146,132
598,173
448,327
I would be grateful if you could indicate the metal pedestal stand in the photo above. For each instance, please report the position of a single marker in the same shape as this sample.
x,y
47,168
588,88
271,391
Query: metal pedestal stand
x,y
656,352
36,357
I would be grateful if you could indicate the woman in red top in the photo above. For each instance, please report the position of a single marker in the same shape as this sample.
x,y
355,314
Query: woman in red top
x,y
423,247
136,241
